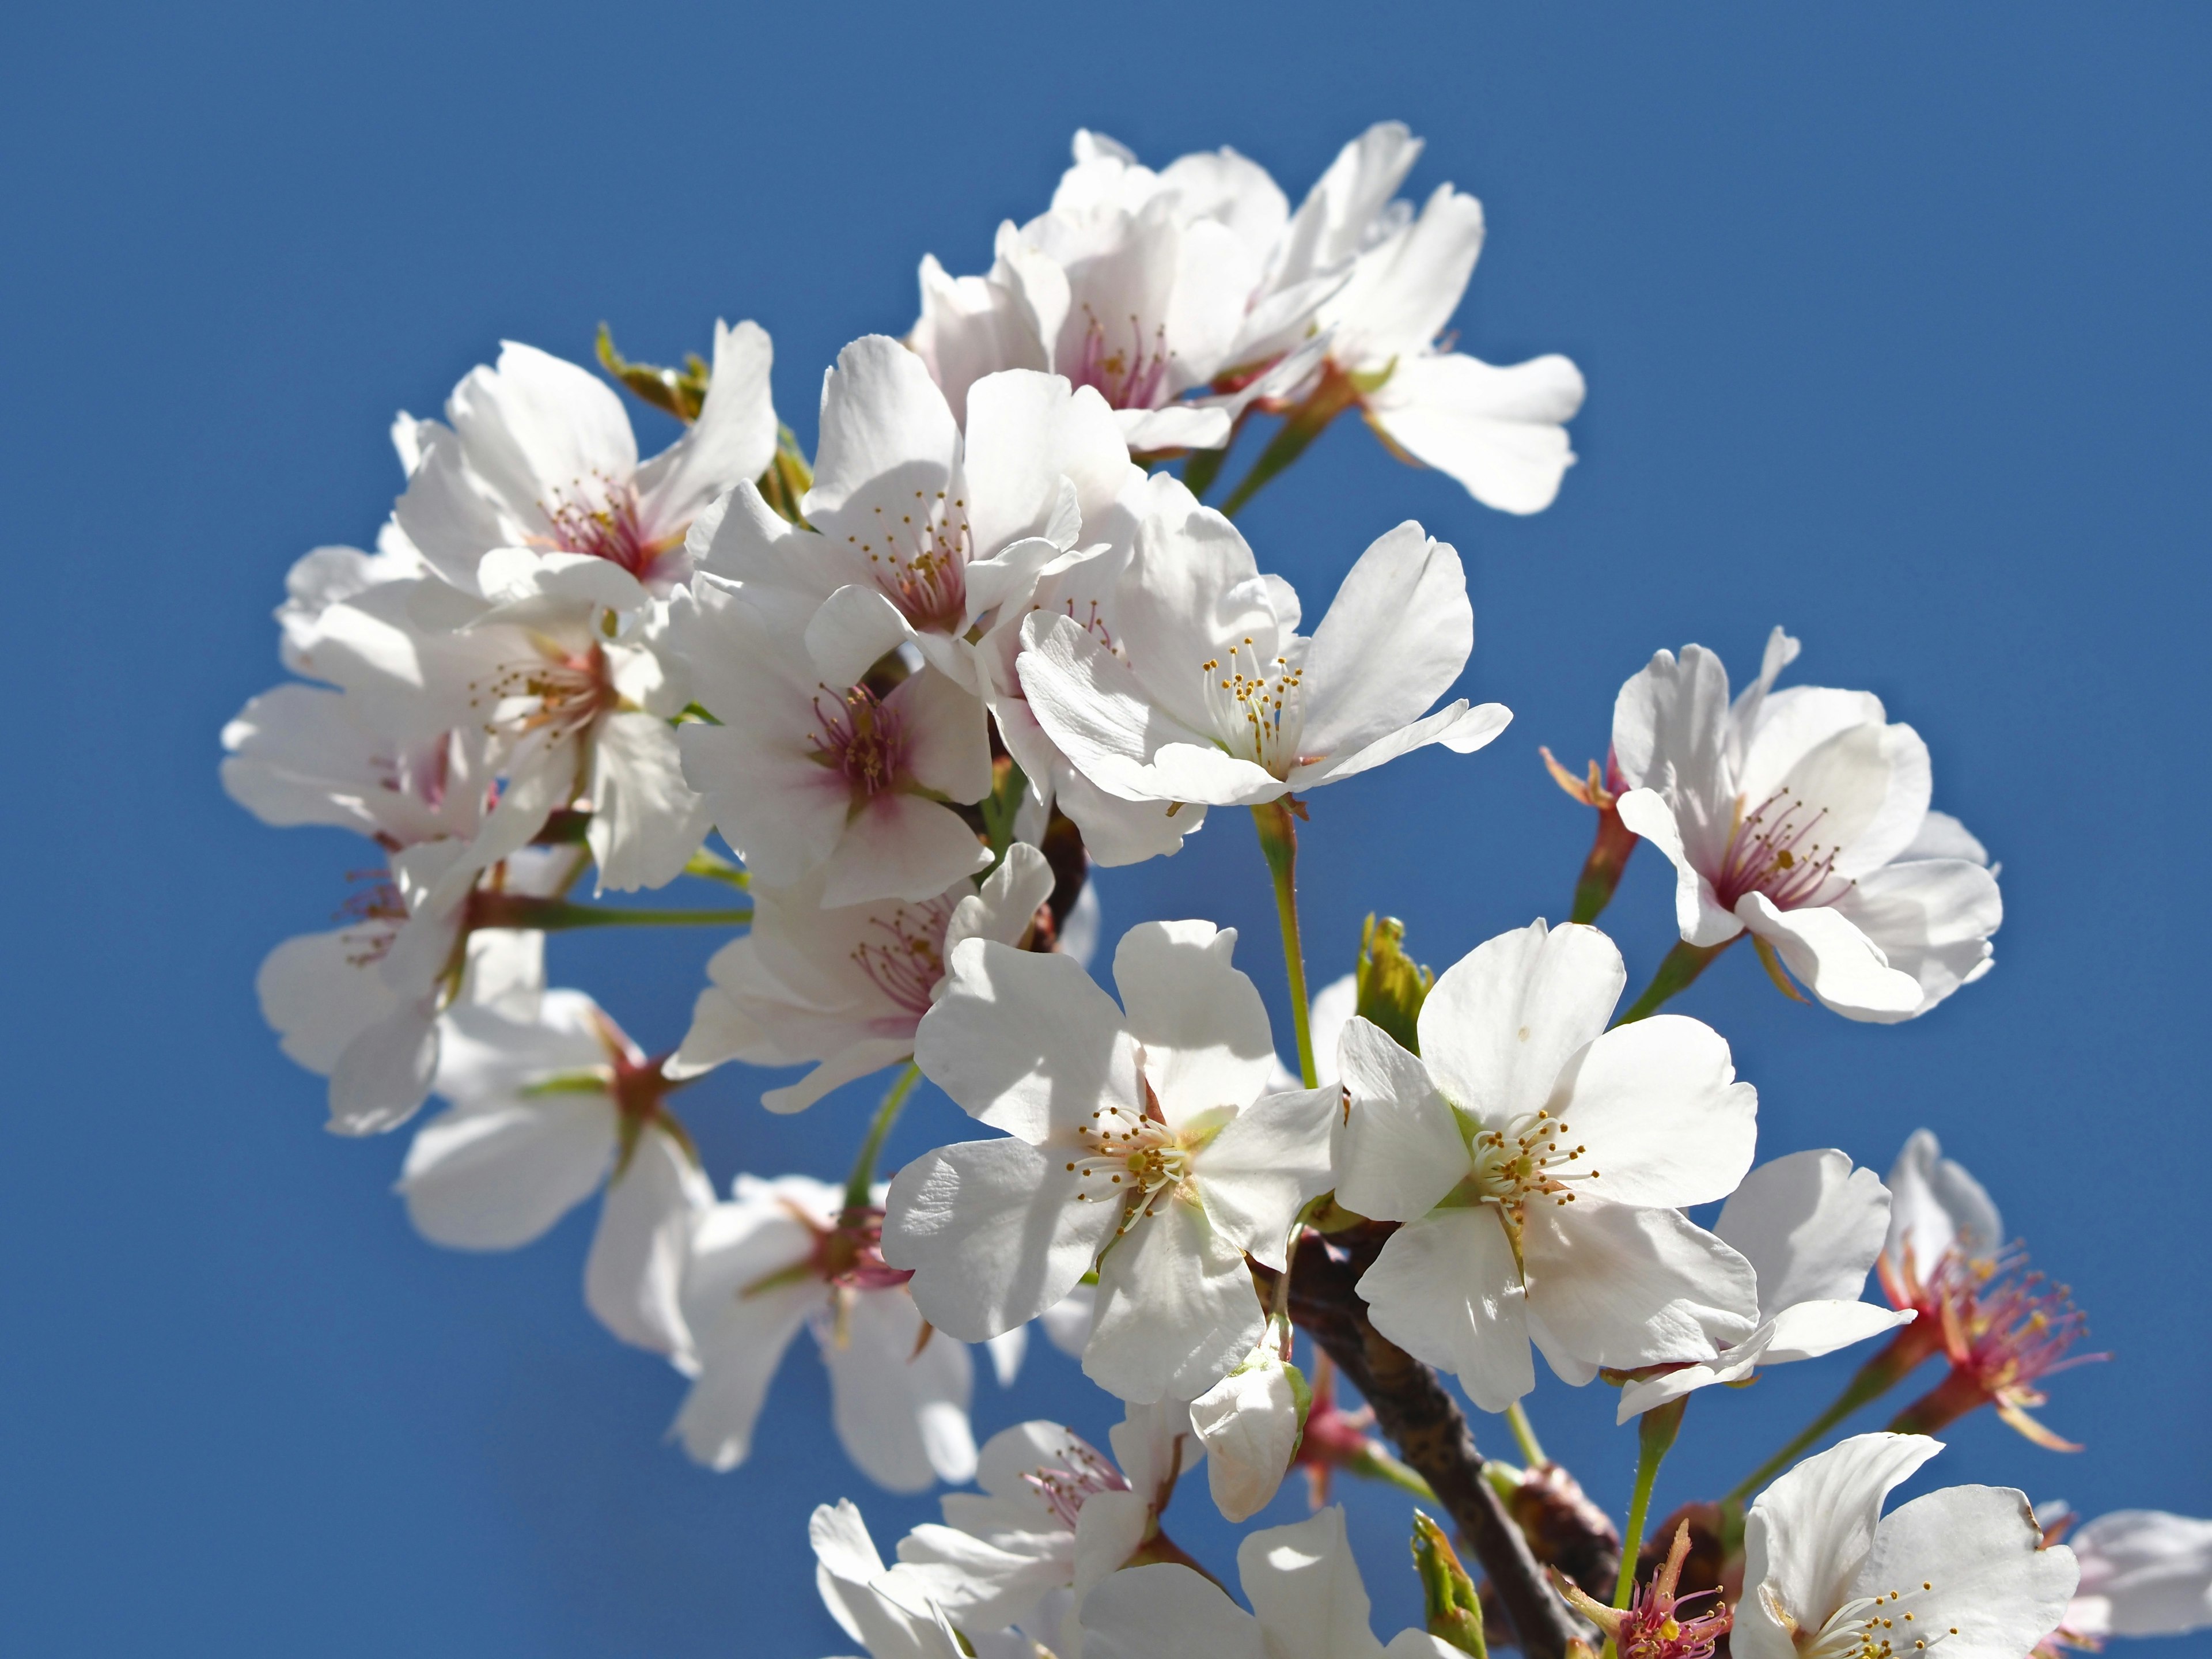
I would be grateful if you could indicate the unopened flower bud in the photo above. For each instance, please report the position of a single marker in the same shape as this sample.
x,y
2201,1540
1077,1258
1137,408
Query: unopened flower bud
x,y
1250,1422
1450,1601
1391,985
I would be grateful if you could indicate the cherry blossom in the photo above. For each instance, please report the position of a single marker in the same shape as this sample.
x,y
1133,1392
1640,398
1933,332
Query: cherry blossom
x,y
803,773
544,1111
1209,694
1250,1422
1141,285
1812,1227
537,454
1827,1575
887,1610
1138,1142
1536,1160
914,530
2144,1572
785,1252
1308,1602
1499,432
1801,815
846,988
1056,1516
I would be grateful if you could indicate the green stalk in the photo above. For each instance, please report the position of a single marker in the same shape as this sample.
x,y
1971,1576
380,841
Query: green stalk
x,y
863,1167
1655,1437
1898,1359
1278,841
712,866
1335,394
1525,1433
1683,965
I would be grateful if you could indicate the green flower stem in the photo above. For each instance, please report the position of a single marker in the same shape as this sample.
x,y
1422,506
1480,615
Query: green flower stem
x,y
1335,394
1525,1433
1683,965
1898,1359
1278,841
710,867
1655,1437
1376,1463
863,1167
554,915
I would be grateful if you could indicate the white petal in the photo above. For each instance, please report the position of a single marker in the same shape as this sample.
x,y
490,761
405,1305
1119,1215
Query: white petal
x,y
1249,1422
1497,430
2151,1572
855,627
1162,1611
634,1277
1809,1533
1835,961
1620,1286
1459,728
320,991
858,1060
1197,1021
1658,1108
995,1234
1176,1308
1981,1550
1266,1164
1502,1021
1395,637
1006,904
1698,912
1400,1149
1935,1207
740,1325
886,427
900,1404
1806,1330
1304,1586
1026,432
646,821
901,846
948,749
1026,1041
1931,918
496,1179
384,1073
1446,1289
731,442
1810,1225
1007,1350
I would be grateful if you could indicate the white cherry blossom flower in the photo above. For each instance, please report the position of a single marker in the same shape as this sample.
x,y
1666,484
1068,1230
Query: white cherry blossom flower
x,y
1940,1220
1537,1161
807,773
1802,816
887,1610
1140,284
360,1003
1827,1575
305,754
846,988
1140,1142
1499,432
784,1253
2144,1572
1308,1602
1056,1516
544,1111
1249,1422
1812,1227
538,454
1208,693
915,531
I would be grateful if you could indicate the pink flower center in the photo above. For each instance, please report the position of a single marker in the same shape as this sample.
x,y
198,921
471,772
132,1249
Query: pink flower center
x,y
558,693
1774,851
862,737
603,519
1127,377
904,953
919,559
1080,1472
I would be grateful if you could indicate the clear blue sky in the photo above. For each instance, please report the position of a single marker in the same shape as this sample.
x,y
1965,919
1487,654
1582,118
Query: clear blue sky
x,y
1894,322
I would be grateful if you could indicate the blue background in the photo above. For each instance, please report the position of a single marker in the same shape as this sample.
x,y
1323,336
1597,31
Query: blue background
x,y
1894,326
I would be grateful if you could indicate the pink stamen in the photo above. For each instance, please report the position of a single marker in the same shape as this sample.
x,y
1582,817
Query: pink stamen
x,y
1772,852
603,519
1126,380
907,965
860,737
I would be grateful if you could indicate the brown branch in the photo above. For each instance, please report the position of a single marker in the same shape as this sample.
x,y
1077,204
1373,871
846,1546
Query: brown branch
x,y
1413,1408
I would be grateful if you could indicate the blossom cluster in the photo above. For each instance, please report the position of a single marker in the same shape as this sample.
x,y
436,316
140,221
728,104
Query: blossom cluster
x,y
988,637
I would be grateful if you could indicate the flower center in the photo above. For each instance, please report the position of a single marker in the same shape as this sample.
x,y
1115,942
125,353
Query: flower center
x,y
858,736
600,518
1259,707
558,692
1080,1473
1127,377
1874,1627
903,955
920,561
1528,1160
1137,1161
1773,852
